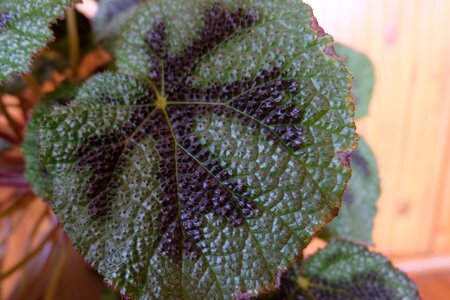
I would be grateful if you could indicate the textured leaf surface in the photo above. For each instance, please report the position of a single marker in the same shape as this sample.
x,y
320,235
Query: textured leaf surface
x,y
344,271
355,219
111,16
212,170
363,77
36,173
24,29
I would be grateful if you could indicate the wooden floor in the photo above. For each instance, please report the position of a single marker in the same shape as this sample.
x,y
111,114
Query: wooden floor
x,y
433,286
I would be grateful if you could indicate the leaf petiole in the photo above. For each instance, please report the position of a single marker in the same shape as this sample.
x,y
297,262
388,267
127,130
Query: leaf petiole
x,y
12,123
74,39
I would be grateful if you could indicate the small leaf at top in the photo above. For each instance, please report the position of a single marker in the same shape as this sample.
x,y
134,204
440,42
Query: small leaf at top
x,y
110,18
24,29
356,216
212,162
344,271
363,78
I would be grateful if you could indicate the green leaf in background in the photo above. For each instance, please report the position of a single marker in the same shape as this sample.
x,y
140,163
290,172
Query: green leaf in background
x,y
111,16
55,57
205,169
36,172
24,30
355,219
363,78
344,271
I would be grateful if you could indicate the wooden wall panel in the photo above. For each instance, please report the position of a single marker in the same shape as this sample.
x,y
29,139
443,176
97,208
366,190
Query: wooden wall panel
x,y
441,231
408,126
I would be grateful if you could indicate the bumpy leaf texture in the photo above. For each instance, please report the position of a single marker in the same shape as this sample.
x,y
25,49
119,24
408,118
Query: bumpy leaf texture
x,y
212,162
344,271
24,29
364,78
355,219
36,173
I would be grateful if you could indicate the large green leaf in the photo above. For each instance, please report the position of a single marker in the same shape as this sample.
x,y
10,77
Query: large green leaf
x,y
344,271
355,219
364,78
208,166
24,29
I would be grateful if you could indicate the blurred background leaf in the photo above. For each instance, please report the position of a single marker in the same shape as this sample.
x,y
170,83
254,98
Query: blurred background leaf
x,y
363,75
111,16
344,270
358,210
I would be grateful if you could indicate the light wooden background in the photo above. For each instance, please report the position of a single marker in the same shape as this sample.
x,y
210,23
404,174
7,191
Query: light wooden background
x,y
408,126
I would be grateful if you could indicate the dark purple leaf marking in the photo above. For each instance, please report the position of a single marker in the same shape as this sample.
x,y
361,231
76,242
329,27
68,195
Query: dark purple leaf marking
x,y
359,162
5,17
368,285
312,278
348,197
260,98
102,156
219,25
193,182
321,33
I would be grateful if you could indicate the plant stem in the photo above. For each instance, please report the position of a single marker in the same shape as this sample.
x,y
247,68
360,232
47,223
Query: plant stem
x,y
31,255
33,84
14,126
51,289
74,40
42,217
16,181
24,201
7,138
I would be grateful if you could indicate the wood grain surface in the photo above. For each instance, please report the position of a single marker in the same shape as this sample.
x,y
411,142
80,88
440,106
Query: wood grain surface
x,y
408,125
